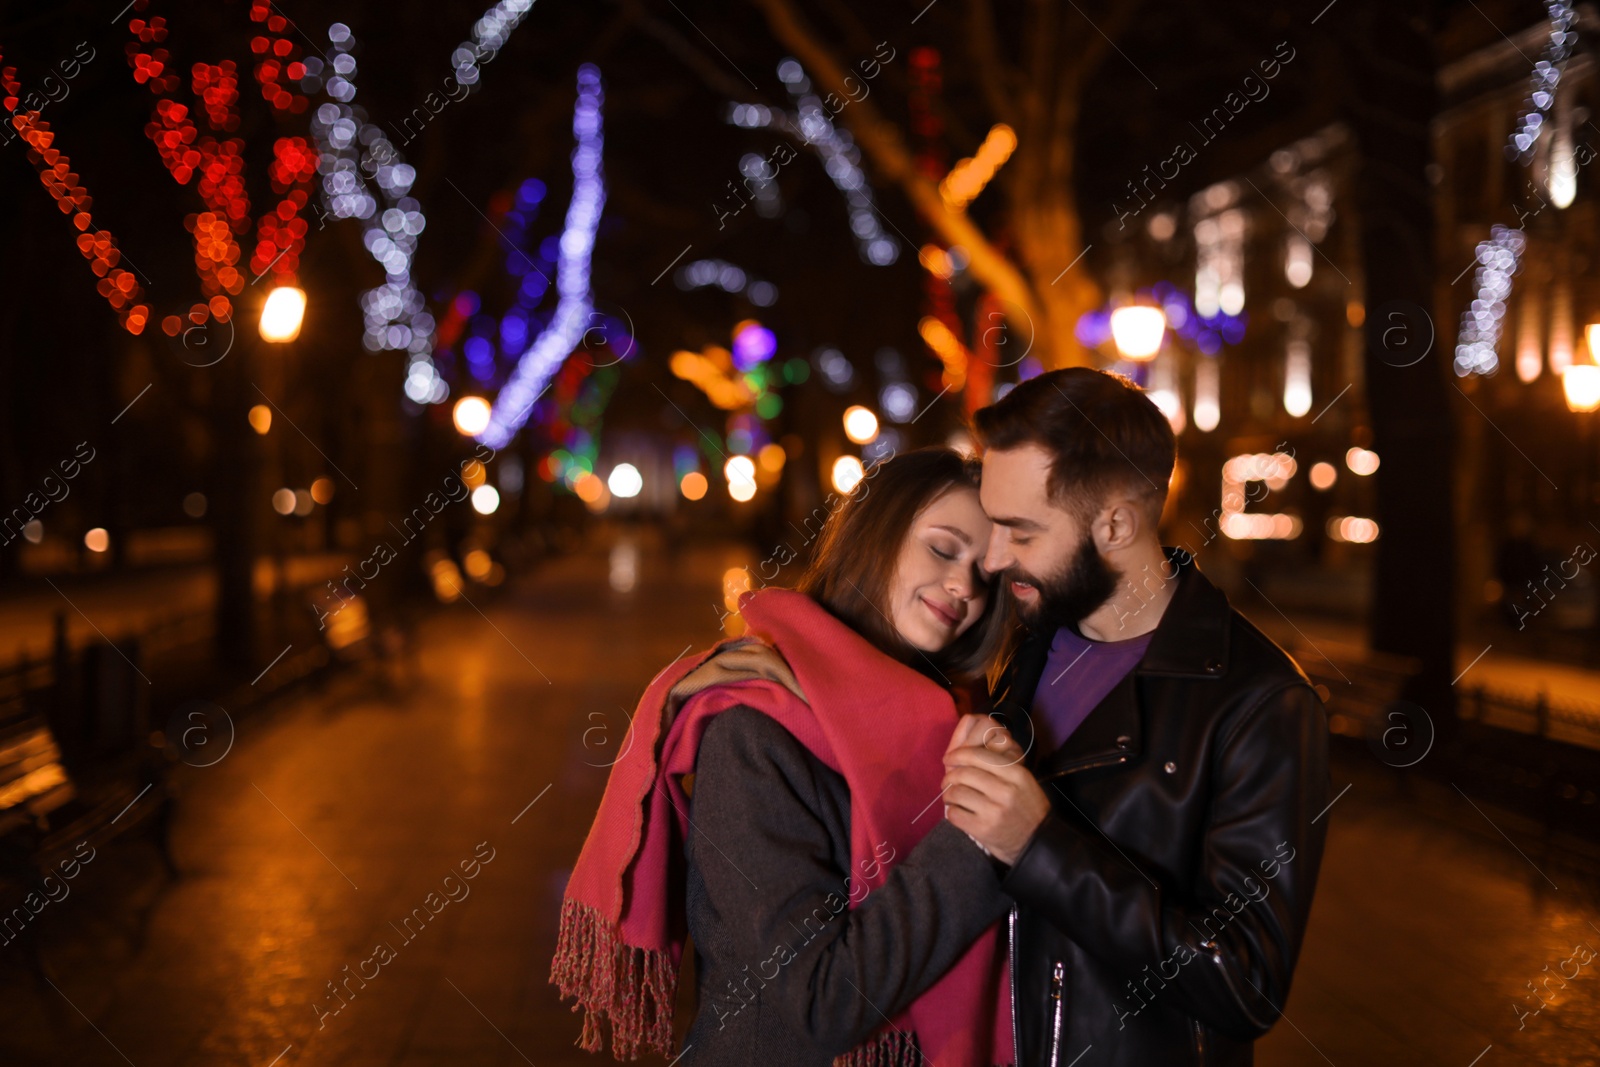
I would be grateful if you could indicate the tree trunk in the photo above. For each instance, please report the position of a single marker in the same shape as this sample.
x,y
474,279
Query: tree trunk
x,y
1050,243
1389,55
236,508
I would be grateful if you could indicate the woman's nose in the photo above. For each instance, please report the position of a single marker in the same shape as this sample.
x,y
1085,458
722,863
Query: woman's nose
x,y
959,580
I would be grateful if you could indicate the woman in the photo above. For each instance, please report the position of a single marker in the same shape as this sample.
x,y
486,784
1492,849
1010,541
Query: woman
x,y
835,916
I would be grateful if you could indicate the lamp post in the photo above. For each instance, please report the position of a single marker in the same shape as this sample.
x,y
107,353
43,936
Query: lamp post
x,y
282,314
281,317
1580,381
1138,331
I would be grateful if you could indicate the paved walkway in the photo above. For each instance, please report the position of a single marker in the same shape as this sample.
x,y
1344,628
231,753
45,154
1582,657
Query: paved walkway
x,y
332,818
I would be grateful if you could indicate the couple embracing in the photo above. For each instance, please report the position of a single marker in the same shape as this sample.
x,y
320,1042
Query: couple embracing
x,y
1001,781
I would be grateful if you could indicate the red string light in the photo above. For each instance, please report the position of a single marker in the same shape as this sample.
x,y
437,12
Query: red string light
x,y
119,287
219,231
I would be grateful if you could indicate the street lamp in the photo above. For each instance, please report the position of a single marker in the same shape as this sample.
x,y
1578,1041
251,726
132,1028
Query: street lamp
x,y
471,415
282,314
1581,381
860,424
1138,330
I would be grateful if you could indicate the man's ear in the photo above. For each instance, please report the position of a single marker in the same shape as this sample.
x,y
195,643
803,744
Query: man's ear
x,y
1118,525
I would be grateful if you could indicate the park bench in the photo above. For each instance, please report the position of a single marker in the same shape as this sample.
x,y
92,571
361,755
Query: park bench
x,y
1528,756
1359,689
351,638
57,810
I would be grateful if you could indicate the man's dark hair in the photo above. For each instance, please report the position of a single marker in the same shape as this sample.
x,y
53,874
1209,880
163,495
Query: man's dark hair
x,y
1103,434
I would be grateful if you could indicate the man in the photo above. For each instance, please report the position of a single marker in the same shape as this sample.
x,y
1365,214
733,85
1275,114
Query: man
x,y
1158,806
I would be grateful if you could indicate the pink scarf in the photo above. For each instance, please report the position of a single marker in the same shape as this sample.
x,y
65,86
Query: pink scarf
x,y
876,722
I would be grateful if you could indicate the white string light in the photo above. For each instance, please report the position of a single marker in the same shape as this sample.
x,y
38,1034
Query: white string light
x,y
573,314
1498,261
488,33
703,273
1543,80
810,124
355,156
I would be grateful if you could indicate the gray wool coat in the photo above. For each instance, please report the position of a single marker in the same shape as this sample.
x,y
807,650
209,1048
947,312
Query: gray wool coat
x,y
787,973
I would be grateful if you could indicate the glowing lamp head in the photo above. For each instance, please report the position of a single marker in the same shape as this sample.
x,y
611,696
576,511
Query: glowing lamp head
x,y
282,314
1138,331
471,415
860,424
1581,384
625,480
1591,334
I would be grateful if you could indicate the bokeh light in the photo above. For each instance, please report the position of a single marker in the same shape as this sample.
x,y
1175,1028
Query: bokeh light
x,y
847,473
485,500
860,424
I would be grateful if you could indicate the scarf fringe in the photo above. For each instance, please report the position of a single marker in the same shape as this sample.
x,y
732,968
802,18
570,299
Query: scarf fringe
x,y
632,988
893,1048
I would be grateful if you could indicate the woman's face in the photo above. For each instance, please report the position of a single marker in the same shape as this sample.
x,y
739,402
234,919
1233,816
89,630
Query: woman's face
x,y
939,587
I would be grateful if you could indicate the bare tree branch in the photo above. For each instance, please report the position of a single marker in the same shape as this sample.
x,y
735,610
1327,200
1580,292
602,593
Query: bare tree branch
x,y
984,48
883,142
708,70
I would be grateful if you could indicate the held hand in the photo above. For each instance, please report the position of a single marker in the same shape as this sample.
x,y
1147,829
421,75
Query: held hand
x,y
985,731
969,731
992,796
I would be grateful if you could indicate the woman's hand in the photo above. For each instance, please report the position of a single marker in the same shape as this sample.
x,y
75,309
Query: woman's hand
x,y
989,793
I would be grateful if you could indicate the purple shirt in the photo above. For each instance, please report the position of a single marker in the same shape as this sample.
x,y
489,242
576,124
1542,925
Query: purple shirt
x,y
1078,675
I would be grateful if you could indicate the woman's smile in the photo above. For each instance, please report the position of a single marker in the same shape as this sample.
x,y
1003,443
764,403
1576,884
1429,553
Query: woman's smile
x,y
946,615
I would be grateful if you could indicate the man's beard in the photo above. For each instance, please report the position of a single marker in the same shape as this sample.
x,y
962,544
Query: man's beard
x,y
1068,598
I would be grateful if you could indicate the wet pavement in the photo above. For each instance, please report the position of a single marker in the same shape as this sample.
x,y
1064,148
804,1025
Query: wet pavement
x,y
330,825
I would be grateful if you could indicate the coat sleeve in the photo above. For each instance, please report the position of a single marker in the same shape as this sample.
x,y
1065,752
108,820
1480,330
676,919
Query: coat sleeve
x,y
1224,948
760,838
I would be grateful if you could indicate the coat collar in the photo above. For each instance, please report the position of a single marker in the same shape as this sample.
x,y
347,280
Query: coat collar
x,y
1190,641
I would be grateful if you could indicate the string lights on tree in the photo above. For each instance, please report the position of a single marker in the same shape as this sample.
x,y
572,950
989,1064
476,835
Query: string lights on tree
x,y
489,35
574,310
356,156
118,286
810,124
704,273
1543,80
216,167
1499,258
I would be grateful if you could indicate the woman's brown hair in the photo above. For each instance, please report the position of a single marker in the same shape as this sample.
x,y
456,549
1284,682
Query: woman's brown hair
x,y
855,559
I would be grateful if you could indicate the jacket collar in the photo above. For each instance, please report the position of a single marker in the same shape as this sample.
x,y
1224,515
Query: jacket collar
x,y
1190,641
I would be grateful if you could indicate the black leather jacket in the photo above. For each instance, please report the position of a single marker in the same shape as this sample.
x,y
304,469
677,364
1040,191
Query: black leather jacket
x,y
1161,905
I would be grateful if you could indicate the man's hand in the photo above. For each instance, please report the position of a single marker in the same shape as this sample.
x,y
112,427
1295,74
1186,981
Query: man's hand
x,y
988,792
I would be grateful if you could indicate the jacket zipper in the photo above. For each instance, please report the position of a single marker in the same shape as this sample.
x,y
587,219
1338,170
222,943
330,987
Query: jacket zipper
x,y
1055,1012
1227,978
1016,1035
1087,765
1199,1043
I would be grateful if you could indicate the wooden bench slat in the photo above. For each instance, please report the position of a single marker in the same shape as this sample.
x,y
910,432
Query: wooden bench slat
x,y
37,789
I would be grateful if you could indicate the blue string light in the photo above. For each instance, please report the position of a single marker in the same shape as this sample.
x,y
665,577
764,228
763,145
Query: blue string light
x,y
574,313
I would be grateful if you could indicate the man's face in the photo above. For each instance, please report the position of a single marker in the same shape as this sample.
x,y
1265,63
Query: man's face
x,y
1039,548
